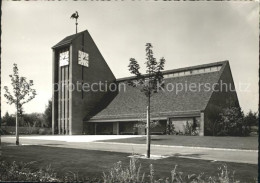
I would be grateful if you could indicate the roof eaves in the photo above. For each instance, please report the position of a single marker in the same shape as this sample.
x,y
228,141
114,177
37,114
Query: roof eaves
x,y
64,43
123,117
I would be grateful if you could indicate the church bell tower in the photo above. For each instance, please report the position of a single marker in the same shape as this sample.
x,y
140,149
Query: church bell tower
x,y
76,61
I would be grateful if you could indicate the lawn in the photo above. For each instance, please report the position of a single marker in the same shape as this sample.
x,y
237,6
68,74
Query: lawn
x,y
196,141
91,164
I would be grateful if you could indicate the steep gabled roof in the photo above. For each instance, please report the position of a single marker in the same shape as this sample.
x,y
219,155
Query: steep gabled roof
x,y
130,103
67,40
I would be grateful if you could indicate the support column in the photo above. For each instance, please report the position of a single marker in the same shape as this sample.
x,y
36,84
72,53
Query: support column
x,y
53,92
115,128
62,101
59,100
95,128
201,124
168,127
118,132
70,91
66,99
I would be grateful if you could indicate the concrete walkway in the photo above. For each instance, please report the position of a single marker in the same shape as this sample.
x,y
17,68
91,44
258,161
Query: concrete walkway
x,y
90,143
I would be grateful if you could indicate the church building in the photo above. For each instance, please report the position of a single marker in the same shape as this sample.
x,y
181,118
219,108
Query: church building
x,y
191,96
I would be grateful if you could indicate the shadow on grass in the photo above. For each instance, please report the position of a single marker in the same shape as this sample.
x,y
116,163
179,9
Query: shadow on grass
x,y
157,139
6,144
53,144
194,155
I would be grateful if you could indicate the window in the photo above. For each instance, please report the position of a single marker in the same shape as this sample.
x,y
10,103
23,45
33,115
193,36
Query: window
x,y
200,71
187,73
213,69
192,72
181,73
171,75
207,69
196,71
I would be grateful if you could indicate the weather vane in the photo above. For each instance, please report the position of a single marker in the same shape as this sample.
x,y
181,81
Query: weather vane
x,y
76,16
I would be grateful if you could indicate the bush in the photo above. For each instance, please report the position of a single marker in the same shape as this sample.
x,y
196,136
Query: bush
x,y
23,172
44,131
229,121
191,129
251,121
8,120
4,132
120,174
133,174
170,129
117,174
232,122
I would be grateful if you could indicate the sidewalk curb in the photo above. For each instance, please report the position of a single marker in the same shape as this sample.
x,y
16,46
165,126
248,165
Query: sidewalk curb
x,y
190,147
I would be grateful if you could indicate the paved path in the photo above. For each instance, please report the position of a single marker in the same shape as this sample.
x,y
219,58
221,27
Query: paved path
x,y
87,142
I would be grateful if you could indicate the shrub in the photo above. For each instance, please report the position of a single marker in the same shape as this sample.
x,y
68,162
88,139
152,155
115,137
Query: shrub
x,y
170,129
128,174
4,132
251,123
8,120
44,131
191,128
133,174
233,123
229,121
117,174
23,172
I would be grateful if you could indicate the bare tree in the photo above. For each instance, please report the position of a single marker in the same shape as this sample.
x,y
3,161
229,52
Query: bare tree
x,y
22,93
149,83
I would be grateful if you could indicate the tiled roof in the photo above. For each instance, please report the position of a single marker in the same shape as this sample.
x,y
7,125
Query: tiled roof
x,y
131,103
67,40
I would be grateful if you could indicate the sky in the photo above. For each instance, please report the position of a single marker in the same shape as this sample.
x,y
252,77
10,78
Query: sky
x,y
184,33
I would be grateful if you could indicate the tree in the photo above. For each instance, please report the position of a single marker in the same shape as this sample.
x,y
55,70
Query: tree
x,y
22,94
251,121
33,119
232,122
8,120
212,119
251,118
48,114
150,83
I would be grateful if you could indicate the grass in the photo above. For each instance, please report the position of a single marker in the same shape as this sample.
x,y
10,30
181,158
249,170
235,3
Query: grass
x,y
91,164
250,143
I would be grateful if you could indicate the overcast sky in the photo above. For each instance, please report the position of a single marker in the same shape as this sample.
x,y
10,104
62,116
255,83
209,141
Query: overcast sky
x,y
185,33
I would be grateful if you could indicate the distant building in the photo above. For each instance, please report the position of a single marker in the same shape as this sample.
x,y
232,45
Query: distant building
x,y
111,106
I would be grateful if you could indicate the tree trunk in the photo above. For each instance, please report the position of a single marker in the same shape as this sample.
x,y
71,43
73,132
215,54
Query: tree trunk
x,y
213,132
16,128
148,139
